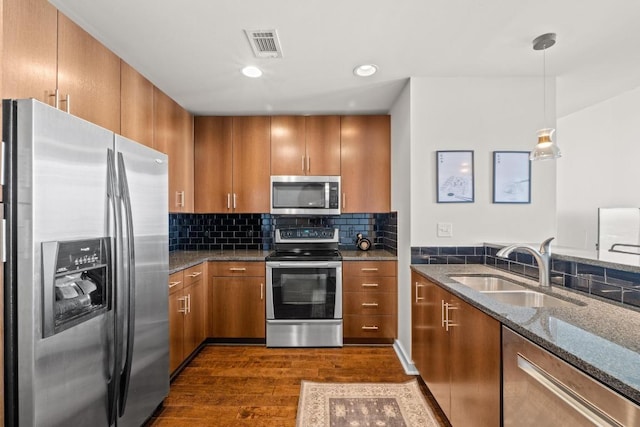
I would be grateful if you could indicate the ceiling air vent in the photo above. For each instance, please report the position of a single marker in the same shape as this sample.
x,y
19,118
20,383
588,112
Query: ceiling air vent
x,y
265,43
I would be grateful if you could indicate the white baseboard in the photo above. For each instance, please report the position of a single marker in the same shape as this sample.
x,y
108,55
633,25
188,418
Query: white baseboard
x,y
405,359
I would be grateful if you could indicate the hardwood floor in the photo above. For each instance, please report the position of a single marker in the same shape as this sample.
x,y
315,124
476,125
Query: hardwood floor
x,y
259,386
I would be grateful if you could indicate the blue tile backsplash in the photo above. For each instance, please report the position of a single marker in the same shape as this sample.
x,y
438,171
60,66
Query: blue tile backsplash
x,y
256,231
609,283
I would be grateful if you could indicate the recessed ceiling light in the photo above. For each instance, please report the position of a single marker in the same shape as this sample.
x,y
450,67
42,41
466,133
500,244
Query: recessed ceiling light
x,y
365,70
251,71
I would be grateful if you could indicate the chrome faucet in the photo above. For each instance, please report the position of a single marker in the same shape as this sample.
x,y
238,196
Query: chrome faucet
x,y
542,257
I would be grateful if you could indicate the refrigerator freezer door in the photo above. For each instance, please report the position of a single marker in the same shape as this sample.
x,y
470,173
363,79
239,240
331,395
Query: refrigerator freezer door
x,y
60,195
147,177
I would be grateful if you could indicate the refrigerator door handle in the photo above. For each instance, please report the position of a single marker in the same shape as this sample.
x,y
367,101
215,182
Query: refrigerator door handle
x,y
114,380
131,284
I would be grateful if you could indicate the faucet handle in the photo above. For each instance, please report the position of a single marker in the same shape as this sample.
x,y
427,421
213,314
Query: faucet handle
x,y
545,246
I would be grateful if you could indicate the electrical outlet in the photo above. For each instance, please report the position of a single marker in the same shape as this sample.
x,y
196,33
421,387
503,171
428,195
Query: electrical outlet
x,y
445,229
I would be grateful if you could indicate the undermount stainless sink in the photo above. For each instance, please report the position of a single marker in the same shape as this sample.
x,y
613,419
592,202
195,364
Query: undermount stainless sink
x,y
527,299
487,283
508,292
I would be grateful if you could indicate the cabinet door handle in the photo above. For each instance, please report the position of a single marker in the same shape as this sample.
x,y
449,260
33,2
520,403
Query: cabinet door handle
x,y
442,312
195,274
180,199
234,200
55,98
418,286
369,285
370,328
183,305
228,200
369,269
302,163
344,200
174,284
369,304
448,322
237,269
261,291
308,164
67,102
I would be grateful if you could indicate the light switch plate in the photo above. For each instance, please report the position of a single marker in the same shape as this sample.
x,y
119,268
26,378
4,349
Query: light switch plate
x,y
445,229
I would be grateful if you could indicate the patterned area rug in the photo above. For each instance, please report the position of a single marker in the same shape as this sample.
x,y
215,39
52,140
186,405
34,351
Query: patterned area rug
x,y
363,404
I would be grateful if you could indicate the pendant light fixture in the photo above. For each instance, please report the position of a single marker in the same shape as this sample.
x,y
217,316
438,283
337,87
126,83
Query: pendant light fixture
x,y
545,149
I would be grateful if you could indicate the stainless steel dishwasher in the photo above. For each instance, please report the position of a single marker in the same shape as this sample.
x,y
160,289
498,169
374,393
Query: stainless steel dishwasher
x,y
539,389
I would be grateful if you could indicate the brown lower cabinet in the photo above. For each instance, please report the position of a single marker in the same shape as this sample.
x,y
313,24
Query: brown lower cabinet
x,y
456,349
369,301
187,308
237,299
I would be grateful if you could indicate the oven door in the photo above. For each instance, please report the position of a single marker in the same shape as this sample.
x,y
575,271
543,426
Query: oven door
x,y
304,290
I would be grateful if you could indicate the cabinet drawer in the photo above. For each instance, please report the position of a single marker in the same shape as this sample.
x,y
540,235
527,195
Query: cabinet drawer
x,y
369,268
239,268
363,326
193,274
371,303
369,284
176,282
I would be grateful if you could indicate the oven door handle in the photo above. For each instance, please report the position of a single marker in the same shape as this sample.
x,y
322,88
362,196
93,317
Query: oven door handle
x,y
303,264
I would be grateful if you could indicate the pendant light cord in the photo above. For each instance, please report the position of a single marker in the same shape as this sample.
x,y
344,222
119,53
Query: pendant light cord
x,y
544,86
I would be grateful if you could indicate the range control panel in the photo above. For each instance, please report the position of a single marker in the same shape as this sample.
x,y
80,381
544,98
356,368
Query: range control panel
x,y
307,234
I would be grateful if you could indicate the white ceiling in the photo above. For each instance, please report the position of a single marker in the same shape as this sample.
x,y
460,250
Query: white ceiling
x,y
194,49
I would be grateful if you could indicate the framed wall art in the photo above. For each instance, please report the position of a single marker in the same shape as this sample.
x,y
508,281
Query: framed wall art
x,y
454,176
511,177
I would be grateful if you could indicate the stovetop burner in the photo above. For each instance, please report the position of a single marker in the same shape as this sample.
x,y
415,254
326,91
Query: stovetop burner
x,y
306,244
329,255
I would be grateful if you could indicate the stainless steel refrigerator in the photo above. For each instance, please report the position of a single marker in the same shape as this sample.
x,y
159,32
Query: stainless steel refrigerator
x,y
86,272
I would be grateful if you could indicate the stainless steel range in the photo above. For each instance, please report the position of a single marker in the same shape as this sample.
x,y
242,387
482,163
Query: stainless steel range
x,y
304,289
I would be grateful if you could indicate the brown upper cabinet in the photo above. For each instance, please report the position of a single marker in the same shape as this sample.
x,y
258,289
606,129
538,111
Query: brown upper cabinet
x,y
136,106
305,145
88,76
51,59
232,168
365,163
30,50
173,135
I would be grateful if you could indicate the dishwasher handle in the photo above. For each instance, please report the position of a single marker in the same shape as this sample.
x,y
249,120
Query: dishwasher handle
x,y
566,394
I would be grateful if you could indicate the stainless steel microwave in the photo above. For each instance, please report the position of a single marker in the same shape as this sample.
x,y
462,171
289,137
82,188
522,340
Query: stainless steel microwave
x,y
305,195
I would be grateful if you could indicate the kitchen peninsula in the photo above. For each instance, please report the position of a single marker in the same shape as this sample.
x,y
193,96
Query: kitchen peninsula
x,y
597,337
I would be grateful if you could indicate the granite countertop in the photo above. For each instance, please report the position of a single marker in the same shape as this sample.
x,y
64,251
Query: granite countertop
x,y
372,255
179,260
598,337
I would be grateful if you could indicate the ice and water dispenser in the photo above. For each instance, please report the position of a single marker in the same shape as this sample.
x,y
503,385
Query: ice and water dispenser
x,y
77,282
